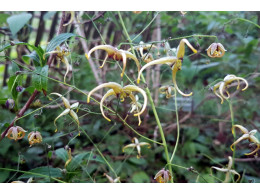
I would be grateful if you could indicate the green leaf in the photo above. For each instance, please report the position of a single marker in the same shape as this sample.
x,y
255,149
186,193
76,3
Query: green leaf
x,y
62,154
49,15
56,41
12,83
34,56
17,22
47,171
3,18
140,177
39,79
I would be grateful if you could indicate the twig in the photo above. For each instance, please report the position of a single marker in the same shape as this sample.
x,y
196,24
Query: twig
x,y
101,14
21,112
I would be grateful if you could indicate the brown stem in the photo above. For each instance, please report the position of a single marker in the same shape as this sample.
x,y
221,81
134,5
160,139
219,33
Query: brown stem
x,y
21,112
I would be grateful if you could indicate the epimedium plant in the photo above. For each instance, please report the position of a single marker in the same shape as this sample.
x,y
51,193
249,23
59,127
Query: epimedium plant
x,y
56,48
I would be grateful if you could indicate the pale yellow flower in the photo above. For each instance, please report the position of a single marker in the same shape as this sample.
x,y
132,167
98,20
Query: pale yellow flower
x,y
174,62
34,137
116,54
167,90
121,92
61,56
222,86
136,144
163,176
111,180
69,110
216,50
247,135
15,133
70,157
228,170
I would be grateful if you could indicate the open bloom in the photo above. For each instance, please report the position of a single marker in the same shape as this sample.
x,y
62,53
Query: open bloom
x,y
136,144
136,107
111,180
61,56
167,90
247,135
121,92
34,137
228,170
216,50
222,86
69,109
163,176
174,62
15,133
116,54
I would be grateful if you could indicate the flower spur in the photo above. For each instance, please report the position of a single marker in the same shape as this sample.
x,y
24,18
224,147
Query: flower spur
x,y
121,92
216,50
174,62
166,90
61,56
247,135
228,170
136,144
116,54
69,110
163,176
222,85
15,133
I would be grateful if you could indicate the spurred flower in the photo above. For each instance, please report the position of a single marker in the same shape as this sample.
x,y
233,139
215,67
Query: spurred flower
x,y
121,92
70,157
136,144
34,137
228,170
61,56
15,133
69,109
163,176
247,135
216,50
174,62
111,180
223,85
167,90
116,54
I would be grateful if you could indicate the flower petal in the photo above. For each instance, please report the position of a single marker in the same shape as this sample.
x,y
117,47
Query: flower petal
x,y
109,93
75,116
181,48
62,114
129,146
108,48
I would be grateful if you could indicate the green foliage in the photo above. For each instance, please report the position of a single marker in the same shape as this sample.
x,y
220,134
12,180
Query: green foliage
x,y
17,22
40,78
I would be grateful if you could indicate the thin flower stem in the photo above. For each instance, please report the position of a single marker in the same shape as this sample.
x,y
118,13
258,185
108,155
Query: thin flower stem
x,y
32,173
178,126
151,102
233,132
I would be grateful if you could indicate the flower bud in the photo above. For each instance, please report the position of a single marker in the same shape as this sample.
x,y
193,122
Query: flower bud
x,y
19,88
10,104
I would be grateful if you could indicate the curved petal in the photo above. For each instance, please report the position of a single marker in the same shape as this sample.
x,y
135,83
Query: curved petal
x,y
130,88
235,173
72,16
245,136
74,106
108,48
104,61
130,55
124,62
115,86
230,162
109,93
66,62
240,78
165,60
181,48
222,87
65,101
145,144
243,129
220,169
216,93
254,151
75,116
129,146
174,71
62,114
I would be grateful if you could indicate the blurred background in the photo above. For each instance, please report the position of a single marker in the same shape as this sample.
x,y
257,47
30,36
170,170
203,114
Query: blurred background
x,y
205,124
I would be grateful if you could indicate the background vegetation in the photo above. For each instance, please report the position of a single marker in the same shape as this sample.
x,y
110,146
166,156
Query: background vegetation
x,y
205,137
